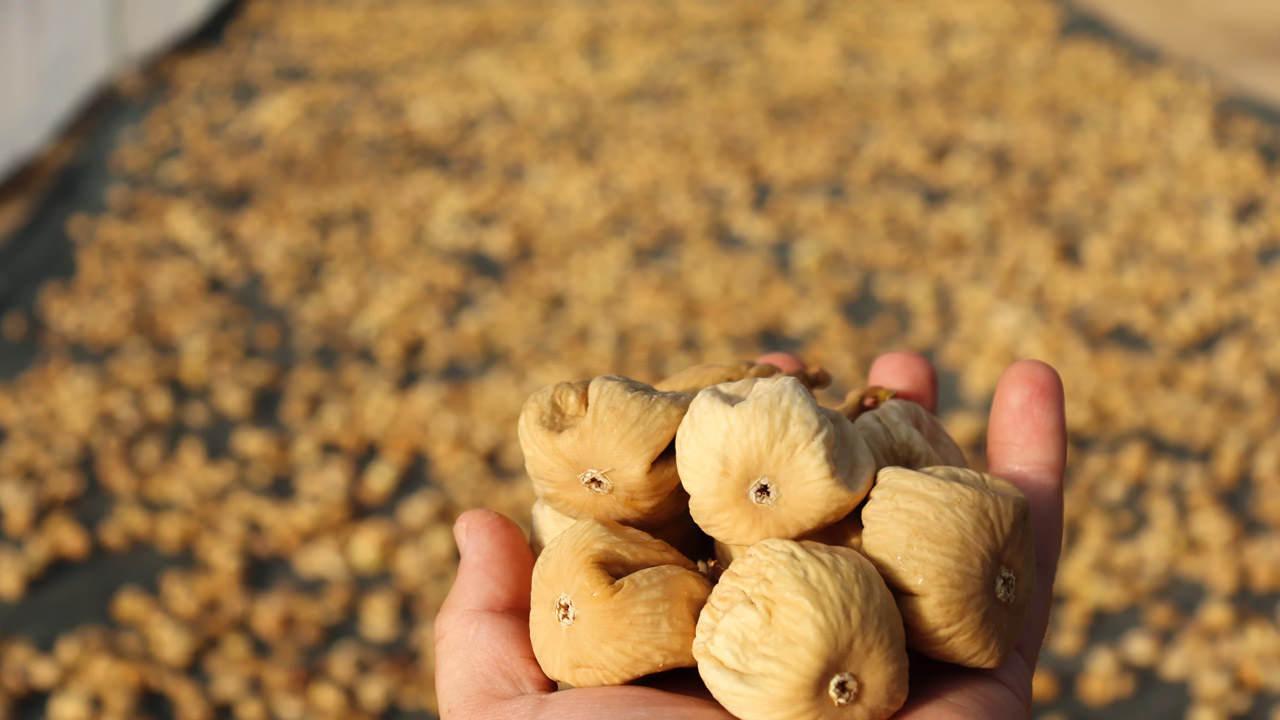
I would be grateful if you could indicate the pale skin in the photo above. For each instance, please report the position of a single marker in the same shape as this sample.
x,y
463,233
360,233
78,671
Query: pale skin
x,y
485,668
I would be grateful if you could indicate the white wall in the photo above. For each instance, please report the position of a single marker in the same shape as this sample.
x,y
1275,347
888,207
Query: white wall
x,y
55,53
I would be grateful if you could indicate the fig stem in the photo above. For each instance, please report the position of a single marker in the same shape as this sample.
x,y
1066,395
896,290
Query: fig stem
x,y
565,612
762,491
843,689
596,481
1006,586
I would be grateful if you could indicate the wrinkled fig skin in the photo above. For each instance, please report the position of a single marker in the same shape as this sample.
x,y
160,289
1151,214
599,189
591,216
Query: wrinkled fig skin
x,y
802,631
693,379
955,547
760,459
902,433
603,449
547,523
611,604
679,532
845,532
726,554
858,402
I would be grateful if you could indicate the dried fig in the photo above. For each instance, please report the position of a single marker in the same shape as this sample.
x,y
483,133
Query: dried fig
x,y
800,630
846,532
695,378
954,545
860,401
679,532
759,459
603,449
726,554
611,603
547,523
903,433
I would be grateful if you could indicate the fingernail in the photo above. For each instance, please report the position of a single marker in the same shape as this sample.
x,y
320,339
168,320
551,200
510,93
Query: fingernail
x,y
460,535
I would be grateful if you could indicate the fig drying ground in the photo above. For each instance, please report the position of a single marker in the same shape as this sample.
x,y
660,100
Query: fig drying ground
x,y
334,246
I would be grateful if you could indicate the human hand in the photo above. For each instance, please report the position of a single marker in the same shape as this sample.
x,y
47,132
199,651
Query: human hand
x,y
486,670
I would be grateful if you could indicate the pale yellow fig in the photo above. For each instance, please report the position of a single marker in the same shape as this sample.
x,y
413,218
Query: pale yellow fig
x,y
955,546
802,631
693,379
860,401
611,604
760,459
603,449
679,532
726,554
845,532
903,433
547,523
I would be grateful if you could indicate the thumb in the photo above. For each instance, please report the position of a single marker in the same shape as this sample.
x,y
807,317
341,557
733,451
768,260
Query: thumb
x,y
1027,445
483,654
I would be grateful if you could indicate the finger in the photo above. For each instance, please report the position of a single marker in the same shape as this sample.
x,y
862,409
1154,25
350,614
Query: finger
x,y
495,567
621,703
1027,445
909,375
786,362
939,690
483,652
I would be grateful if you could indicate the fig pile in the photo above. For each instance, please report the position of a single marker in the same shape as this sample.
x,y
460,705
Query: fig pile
x,y
723,519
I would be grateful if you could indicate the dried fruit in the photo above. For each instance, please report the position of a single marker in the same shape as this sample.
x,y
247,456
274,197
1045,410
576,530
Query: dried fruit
x,y
611,603
726,554
802,630
697,377
760,458
903,433
954,545
679,532
717,208
547,524
869,398
846,532
603,449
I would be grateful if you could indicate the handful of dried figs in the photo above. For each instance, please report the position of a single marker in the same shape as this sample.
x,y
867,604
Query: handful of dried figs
x,y
724,519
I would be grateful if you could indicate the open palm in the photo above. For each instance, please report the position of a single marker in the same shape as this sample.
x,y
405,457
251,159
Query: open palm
x,y
485,668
